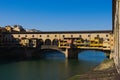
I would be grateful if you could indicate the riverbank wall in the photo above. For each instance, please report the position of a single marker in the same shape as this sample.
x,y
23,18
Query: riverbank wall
x,y
17,53
105,71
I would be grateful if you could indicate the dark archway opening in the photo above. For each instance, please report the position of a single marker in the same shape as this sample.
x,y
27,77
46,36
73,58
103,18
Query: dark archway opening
x,y
55,42
47,42
51,54
92,55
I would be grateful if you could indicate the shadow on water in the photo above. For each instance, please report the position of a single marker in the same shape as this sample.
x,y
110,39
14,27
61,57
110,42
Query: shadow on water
x,y
53,67
85,56
13,60
54,55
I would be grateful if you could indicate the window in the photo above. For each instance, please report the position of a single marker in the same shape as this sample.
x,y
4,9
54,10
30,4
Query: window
x,y
63,35
88,35
97,35
80,36
40,35
106,35
25,35
32,35
55,35
71,35
47,35
18,35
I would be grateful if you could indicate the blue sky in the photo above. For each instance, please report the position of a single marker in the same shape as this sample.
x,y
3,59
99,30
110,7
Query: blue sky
x,y
57,15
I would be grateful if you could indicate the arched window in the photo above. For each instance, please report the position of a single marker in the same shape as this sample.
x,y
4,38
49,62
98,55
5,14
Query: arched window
x,y
55,42
47,42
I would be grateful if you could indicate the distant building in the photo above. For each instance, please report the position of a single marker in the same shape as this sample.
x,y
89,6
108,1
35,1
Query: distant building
x,y
18,28
9,28
32,30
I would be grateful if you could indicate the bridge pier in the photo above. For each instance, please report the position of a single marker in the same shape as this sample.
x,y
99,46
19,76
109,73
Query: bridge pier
x,y
108,54
71,53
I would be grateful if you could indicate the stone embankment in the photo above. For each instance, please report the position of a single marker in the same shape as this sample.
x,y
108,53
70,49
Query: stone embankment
x,y
16,53
105,71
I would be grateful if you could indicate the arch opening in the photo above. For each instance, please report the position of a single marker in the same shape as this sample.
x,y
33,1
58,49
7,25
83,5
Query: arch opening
x,y
47,42
52,54
55,42
92,55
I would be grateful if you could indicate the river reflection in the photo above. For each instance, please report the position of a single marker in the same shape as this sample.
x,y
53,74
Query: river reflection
x,y
54,67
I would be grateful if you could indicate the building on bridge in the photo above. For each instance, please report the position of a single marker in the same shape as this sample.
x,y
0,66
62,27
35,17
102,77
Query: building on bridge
x,y
102,40
62,38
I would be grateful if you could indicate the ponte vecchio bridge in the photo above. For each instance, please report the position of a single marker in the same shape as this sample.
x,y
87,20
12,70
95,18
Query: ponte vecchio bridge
x,y
67,42
71,41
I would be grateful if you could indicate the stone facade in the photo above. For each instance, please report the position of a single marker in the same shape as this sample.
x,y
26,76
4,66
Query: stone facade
x,y
116,32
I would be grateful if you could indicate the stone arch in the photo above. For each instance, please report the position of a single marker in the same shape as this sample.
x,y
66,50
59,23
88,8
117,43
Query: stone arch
x,y
51,50
106,52
47,42
43,52
55,42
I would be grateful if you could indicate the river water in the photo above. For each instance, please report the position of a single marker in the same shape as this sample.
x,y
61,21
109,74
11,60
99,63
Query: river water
x,y
53,67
